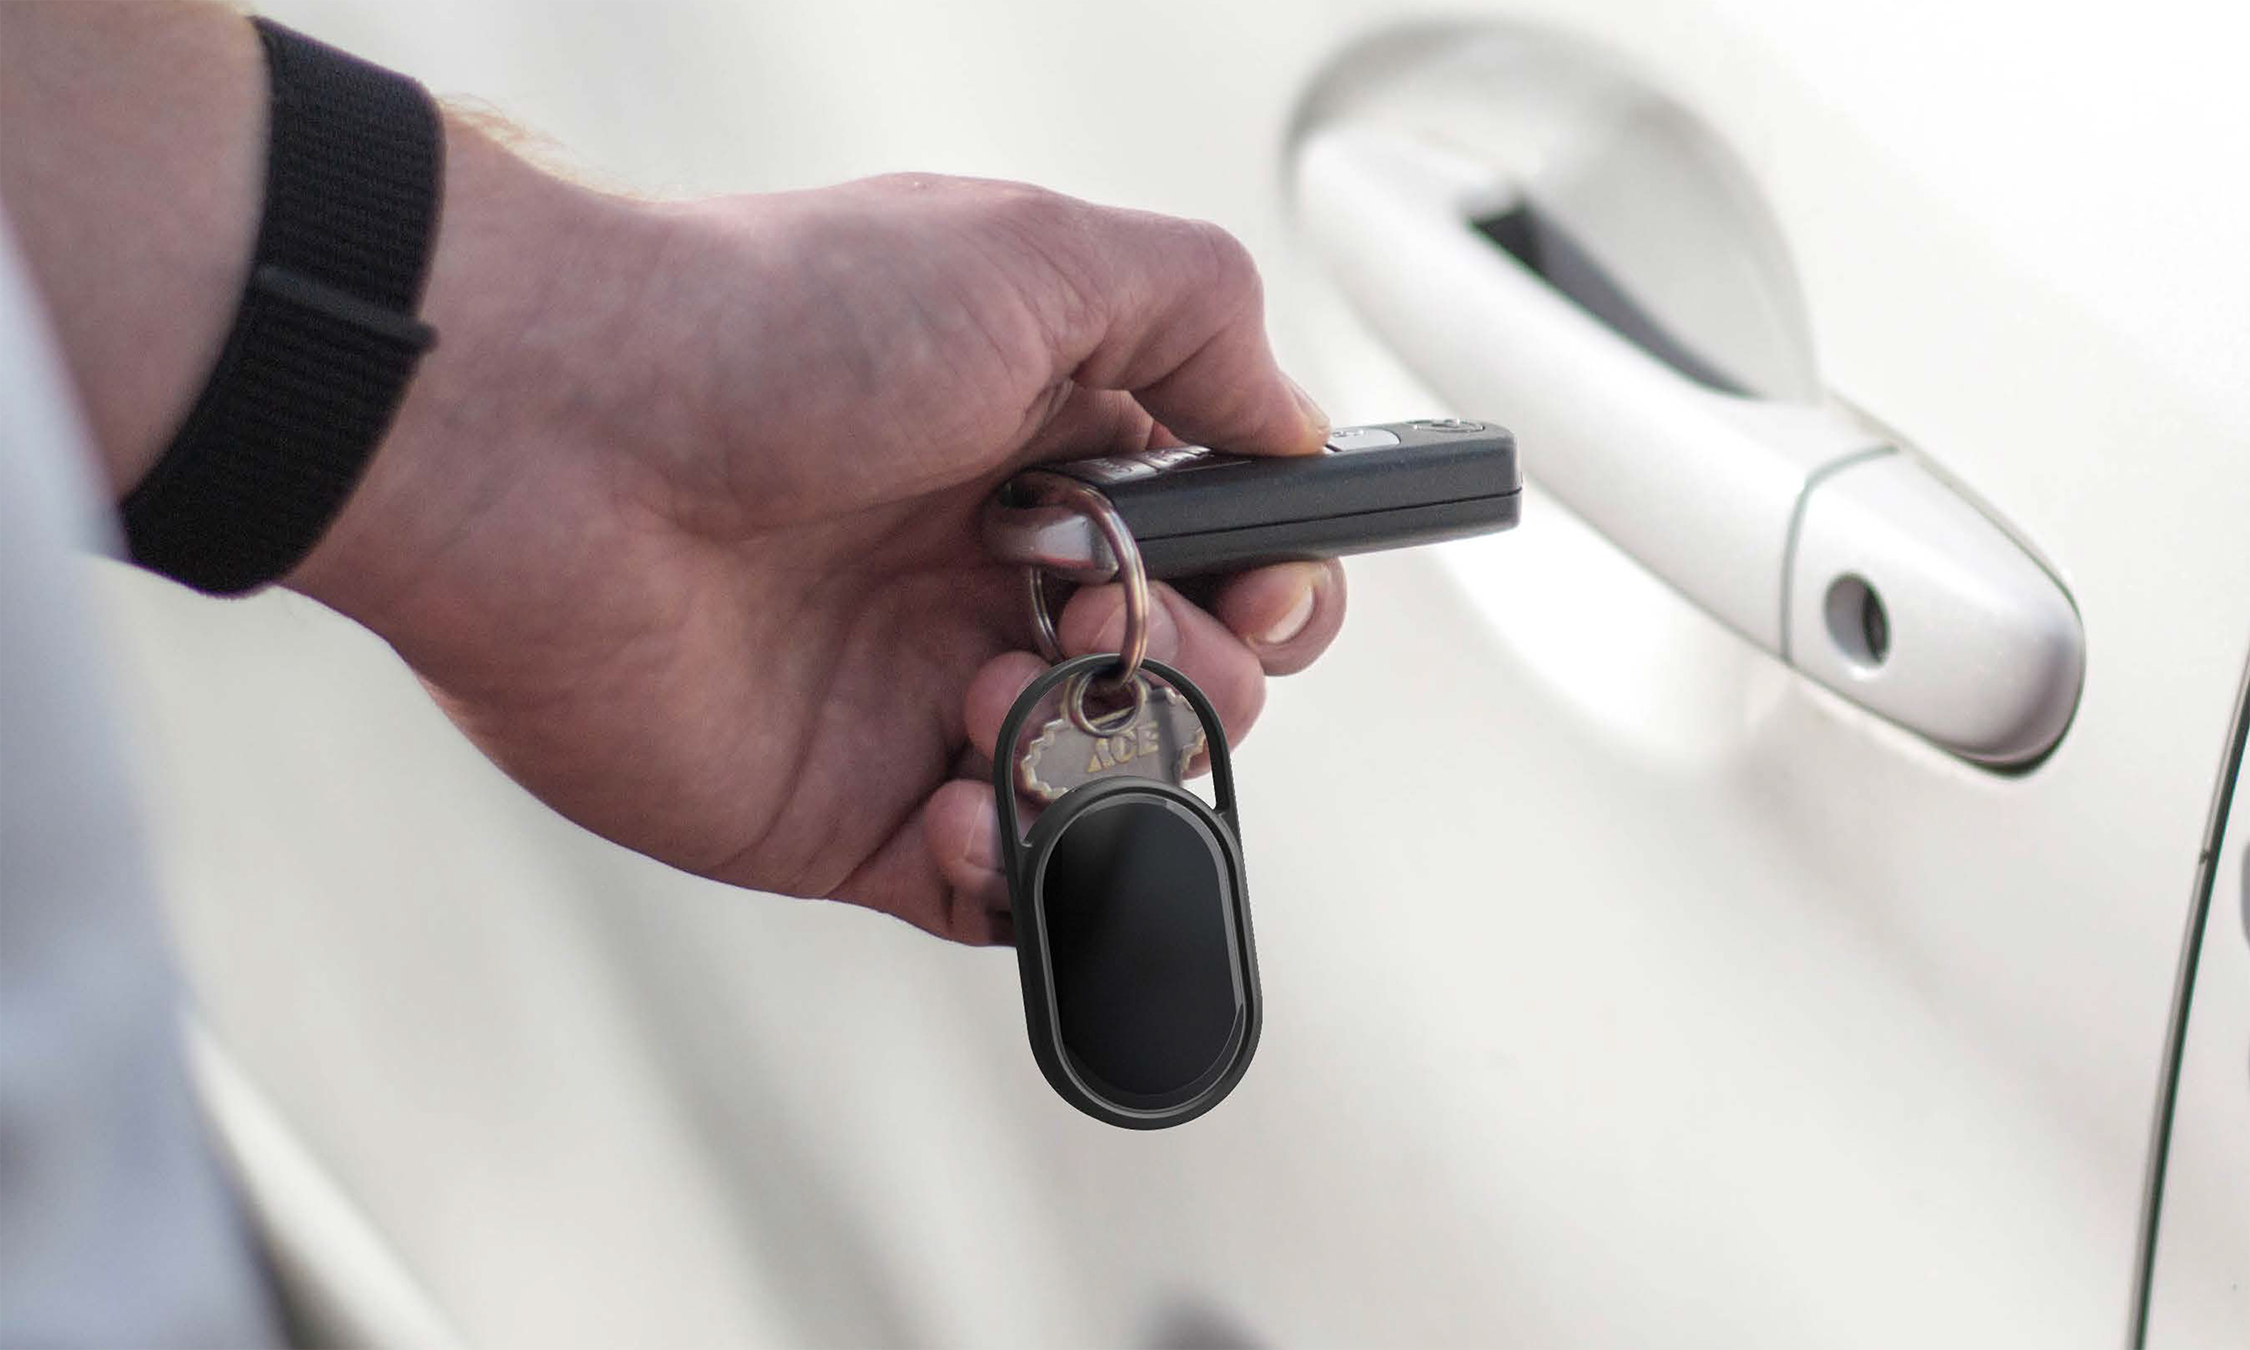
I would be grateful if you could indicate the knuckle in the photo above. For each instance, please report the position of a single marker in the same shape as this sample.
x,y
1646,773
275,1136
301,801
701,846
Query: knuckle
x,y
1230,270
1049,231
1028,209
909,180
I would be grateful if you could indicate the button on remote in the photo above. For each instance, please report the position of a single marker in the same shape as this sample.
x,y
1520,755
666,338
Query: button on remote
x,y
1344,439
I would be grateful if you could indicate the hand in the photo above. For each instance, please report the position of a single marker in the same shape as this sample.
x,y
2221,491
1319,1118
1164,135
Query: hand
x,y
679,521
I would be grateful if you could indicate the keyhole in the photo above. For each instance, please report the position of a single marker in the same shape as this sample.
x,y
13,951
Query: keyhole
x,y
1857,621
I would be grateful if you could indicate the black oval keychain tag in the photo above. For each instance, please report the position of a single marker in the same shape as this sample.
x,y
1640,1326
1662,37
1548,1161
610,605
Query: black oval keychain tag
x,y
1132,924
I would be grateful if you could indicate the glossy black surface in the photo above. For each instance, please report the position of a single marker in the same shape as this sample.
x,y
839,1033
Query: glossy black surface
x,y
1138,909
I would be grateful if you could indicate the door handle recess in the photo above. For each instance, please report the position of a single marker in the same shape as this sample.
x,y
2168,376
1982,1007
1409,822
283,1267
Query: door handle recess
x,y
1804,529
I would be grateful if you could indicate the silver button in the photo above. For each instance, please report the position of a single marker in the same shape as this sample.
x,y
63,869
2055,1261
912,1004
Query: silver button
x,y
1360,438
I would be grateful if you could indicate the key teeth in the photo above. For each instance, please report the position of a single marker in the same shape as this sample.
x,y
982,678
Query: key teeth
x,y
1027,774
1188,754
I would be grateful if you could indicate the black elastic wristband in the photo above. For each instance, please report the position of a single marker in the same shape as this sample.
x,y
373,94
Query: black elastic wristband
x,y
326,337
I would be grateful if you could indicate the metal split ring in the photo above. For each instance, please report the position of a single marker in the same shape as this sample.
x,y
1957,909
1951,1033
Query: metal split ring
x,y
1062,490
1109,723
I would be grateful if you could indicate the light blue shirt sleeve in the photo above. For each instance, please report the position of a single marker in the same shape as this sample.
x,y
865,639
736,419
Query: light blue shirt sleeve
x,y
116,1225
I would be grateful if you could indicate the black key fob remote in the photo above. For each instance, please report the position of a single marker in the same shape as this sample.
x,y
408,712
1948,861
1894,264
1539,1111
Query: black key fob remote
x,y
1195,510
1132,925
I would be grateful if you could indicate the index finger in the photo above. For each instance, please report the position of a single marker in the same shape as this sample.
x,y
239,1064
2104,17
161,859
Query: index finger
x,y
1173,311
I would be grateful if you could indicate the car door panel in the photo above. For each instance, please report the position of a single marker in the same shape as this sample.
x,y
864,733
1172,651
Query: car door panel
x,y
1622,985
2199,1210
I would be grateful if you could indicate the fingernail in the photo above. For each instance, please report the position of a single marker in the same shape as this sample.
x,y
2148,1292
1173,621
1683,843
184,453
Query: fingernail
x,y
1293,622
1311,409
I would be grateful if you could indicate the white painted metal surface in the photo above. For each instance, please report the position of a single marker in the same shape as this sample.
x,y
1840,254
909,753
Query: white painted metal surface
x,y
2199,1295
1623,987
1760,511
1699,485
1981,650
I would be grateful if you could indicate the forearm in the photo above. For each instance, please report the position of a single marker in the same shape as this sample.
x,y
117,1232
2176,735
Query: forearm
x,y
132,142
132,159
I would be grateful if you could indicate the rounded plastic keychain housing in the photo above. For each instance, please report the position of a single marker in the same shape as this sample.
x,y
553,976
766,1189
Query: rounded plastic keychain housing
x,y
1132,925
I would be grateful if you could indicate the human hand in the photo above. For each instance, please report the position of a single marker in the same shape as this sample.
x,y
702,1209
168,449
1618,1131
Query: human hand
x,y
679,521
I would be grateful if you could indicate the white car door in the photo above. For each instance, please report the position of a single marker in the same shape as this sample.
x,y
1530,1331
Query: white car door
x,y
1626,984
2200,1202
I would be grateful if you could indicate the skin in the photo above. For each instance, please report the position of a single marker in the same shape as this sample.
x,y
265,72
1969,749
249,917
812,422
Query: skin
x,y
679,520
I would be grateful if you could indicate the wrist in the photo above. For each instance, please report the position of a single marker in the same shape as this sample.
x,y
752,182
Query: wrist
x,y
527,291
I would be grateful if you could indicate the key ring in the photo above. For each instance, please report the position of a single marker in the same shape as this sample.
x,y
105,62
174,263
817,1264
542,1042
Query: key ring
x,y
1061,489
